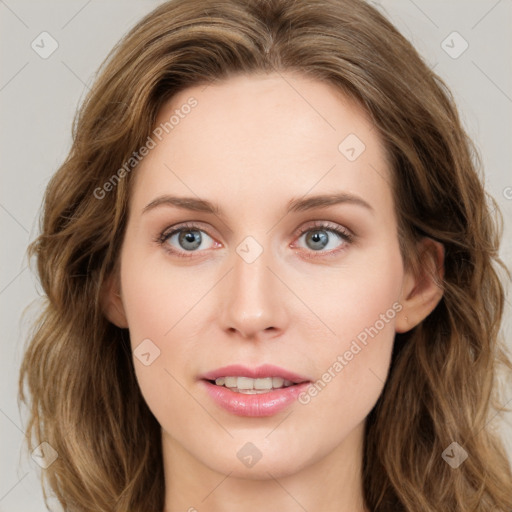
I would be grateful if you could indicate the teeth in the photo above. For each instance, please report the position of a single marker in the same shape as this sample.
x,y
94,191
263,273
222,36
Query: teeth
x,y
252,386
230,382
245,383
266,383
277,382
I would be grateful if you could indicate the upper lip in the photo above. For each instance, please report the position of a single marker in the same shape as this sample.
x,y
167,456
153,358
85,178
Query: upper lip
x,y
265,370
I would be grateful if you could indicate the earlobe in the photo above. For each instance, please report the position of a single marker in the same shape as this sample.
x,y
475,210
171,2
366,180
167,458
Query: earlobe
x,y
421,293
112,304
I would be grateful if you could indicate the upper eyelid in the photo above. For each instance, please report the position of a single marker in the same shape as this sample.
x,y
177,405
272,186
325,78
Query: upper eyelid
x,y
322,224
184,225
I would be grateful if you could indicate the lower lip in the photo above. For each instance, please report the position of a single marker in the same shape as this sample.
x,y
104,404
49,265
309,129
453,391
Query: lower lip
x,y
263,404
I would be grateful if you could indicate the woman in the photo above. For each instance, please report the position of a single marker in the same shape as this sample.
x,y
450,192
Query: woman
x,y
271,275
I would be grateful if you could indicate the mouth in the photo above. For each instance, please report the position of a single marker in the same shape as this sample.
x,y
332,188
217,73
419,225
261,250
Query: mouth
x,y
250,386
253,381
253,392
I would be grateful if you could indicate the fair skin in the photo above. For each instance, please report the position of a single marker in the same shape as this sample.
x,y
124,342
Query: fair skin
x,y
251,145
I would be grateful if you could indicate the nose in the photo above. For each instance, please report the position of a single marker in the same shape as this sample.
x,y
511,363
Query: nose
x,y
252,304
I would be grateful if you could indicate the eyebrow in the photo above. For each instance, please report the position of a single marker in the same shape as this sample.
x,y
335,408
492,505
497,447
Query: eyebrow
x,y
295,205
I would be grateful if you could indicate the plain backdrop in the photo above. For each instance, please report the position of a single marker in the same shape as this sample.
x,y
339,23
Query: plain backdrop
x,y
39,96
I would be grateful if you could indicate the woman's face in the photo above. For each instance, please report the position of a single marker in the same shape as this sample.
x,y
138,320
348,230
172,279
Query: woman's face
x,y
264,279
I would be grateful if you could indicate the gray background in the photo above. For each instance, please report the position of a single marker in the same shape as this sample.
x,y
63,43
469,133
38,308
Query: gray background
x,y
38,98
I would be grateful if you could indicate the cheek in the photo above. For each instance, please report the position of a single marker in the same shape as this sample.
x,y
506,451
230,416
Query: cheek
x,y
155,296
353,362
354,298
153,302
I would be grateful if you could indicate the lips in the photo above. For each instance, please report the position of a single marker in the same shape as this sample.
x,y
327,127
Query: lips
x,y
253,405
260,372
255,402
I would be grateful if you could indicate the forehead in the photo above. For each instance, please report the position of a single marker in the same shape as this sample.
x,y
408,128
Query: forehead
x,y
262,137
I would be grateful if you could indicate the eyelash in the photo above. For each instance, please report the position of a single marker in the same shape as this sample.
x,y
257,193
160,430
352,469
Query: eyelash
x,y
345,235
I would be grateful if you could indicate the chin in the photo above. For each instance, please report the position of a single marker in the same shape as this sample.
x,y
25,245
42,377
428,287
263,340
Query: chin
x,y
266,463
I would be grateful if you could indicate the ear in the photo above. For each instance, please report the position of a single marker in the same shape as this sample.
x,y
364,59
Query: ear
x,y
111,301
422,292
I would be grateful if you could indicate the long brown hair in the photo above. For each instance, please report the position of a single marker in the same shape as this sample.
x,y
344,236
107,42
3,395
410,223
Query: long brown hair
x,y
77,375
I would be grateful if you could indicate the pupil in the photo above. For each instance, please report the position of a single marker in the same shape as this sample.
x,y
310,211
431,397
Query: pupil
x,y
190,237
318,237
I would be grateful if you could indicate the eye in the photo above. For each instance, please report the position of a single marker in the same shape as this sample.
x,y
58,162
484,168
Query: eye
x,y
186,238
324,235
